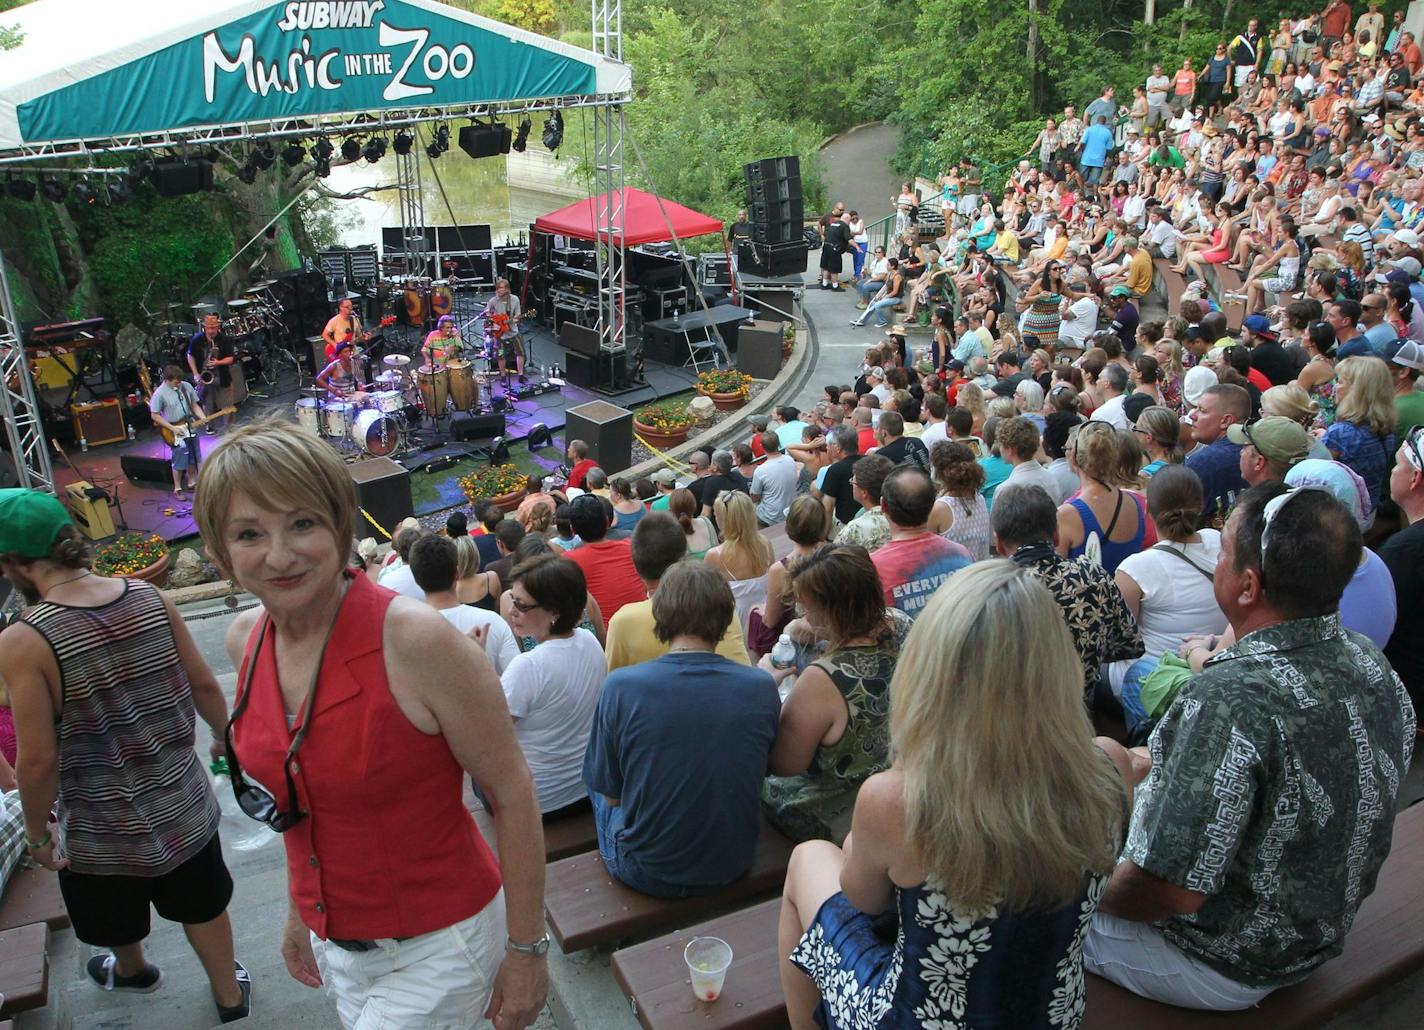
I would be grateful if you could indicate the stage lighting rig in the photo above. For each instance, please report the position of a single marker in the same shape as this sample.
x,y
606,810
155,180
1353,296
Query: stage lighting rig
x,y
247,173
20,189
403,143
433,151
442,138
83,192
54,191
118,190
294,154
263,158
521,137
374,150
350,149
553,131
322,150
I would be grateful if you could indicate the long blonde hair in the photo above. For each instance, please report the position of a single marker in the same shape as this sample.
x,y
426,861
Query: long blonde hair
x,y
1007,800
1369,401
971,397
736,517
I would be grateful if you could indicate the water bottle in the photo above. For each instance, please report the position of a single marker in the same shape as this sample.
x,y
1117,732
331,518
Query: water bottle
x,y
783,655
131,432
241,831
83,443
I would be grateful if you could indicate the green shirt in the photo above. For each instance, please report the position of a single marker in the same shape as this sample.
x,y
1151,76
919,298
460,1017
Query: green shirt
x,y
1411,414
1272,791
660,503
1174,159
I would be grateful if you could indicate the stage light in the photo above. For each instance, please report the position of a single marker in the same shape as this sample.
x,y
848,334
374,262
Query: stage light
x,y
118,190
54,191
323,167
350,149
139,172
374,150
294,154
553,131
322,150
521,138
83,192
263,158
442,138
20,189
402,143
247,173
432,150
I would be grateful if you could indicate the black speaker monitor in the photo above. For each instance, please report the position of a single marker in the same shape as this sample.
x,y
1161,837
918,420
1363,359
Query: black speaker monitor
x,y
178,178
578,339
140,468
383,490
485,140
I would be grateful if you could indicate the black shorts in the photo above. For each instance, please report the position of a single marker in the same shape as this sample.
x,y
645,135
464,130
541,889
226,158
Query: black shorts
x,y
111,911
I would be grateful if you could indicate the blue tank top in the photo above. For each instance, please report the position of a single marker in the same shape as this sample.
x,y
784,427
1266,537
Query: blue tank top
x,y
1113,551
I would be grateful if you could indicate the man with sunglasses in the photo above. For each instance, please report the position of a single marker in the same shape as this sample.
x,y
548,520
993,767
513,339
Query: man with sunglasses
x,y
1268,806
100,668
1403,553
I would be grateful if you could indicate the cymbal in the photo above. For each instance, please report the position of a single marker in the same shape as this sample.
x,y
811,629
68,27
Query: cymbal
x,y
396,360
238,305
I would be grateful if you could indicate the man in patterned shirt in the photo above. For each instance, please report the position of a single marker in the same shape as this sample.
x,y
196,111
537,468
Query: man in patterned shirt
x,y
1269,805
1025,523
870,528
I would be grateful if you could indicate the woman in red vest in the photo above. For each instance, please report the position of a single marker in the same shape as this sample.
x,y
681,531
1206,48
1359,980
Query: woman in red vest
x,y
357,715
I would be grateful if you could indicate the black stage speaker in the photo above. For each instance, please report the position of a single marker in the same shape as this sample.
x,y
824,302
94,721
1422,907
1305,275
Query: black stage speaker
x,y
464,426
774,199
178,178
598,370
772,259
608,431
578,339
485,140
383,490
759,349
140,468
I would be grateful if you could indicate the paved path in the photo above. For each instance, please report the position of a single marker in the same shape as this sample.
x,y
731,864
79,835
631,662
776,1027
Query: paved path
x,y
857,173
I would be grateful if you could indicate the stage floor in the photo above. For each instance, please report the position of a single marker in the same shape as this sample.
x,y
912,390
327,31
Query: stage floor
x,y
148,506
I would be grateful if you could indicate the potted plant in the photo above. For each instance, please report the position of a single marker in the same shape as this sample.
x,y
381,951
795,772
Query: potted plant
x,y
664,424
135,555
727,387
502,485
788,338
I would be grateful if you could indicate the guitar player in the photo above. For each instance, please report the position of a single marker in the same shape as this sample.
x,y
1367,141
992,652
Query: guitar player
x,y
505,305
210,350
175,406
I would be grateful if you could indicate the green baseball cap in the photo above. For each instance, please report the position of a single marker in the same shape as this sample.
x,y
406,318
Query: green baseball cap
x,y
1275,437
29,522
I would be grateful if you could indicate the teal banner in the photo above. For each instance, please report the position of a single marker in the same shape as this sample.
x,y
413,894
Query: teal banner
x,y
303,59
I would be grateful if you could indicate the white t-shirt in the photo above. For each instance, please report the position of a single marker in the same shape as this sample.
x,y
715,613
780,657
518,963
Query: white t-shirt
x,y
1083,324
500,645
552,693
1031,473
1111,411
774,481
1177,600
933,434
402,581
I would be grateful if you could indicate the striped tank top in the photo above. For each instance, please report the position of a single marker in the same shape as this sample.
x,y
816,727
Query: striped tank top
x,y
134,799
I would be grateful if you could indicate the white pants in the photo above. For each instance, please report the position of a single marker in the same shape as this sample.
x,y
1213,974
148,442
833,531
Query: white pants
x,y
1138,957
437,981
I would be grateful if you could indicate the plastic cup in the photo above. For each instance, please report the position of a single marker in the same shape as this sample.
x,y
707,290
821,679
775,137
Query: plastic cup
x,y
707,962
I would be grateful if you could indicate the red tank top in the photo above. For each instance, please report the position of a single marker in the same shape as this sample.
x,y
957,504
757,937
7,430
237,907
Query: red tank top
x,y
388,848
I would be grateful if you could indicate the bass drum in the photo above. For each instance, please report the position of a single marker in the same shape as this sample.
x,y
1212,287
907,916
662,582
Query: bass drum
x,y
376,433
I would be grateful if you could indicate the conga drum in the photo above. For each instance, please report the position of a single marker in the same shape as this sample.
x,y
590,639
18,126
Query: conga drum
x,y
461,384
417,307
442,299
434,389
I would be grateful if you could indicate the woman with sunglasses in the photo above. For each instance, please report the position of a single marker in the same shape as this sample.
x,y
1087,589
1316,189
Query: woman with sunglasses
x,y
1103,520
1159,430
1041,303
357,717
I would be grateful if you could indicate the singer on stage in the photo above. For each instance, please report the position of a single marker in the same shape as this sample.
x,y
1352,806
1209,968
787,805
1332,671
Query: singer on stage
x,y
444,344
504,308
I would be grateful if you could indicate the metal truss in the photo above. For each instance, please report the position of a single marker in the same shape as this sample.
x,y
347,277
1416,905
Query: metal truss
x,y
18,407
416,247
608,185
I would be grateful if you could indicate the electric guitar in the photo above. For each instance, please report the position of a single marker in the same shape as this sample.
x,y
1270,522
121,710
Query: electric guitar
x,y
496,324
183,430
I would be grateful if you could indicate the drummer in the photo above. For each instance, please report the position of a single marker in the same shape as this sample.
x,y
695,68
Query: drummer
x,y
344,325
443,345
511,344
341,380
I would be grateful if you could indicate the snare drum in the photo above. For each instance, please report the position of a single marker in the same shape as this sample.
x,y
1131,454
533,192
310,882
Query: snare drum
x,y
337,417
376,433
434,388
388,381
309,415
461,386
387,402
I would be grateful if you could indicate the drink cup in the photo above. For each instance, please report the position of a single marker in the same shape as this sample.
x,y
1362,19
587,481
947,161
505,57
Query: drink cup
x,y
707,962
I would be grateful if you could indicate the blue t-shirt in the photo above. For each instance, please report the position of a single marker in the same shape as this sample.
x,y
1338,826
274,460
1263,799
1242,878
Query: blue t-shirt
x,y
683,743
1096,141
1218,466
1369,604
996,470
1364,452
1380,337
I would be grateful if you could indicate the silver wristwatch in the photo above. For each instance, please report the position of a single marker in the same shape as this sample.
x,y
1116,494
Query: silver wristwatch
x,y
539,947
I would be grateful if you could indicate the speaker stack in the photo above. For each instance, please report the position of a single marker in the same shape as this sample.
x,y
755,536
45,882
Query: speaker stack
x,y
777,217
303,297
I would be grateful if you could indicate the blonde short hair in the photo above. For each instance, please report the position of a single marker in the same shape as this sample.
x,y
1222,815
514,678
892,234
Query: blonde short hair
x,y
1369,401
278,469
1007,800
1291,401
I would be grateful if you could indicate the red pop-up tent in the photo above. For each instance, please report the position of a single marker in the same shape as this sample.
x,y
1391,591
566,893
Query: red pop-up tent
x,y
646,219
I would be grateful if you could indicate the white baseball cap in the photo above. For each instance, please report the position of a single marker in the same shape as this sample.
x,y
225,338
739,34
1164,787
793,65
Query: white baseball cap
x,y
1408,237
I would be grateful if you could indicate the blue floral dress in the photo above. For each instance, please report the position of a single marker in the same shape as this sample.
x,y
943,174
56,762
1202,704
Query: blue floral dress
x,y
1005,971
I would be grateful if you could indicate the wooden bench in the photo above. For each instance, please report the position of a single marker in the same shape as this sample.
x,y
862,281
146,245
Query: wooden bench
x,y
32,896
562,837
585,906
24,968
1173,284
1385,945
653,976
1229,281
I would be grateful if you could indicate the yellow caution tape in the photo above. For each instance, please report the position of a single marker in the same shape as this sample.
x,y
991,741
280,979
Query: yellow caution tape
x,y
379,528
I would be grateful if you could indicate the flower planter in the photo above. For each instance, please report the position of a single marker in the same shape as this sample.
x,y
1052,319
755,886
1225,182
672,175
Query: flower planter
x,y
725,401
659,438
156,574
508,502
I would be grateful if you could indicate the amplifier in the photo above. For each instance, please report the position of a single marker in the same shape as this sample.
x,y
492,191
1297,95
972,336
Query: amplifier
x,y
90,513
383,490
98,423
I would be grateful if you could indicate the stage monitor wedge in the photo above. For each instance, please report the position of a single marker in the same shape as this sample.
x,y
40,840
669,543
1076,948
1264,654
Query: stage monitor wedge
x,y
578,339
